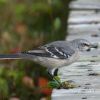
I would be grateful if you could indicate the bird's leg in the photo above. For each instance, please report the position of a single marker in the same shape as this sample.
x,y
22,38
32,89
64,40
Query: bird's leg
x,y
55,78
57,82
55,75
66,84
56,72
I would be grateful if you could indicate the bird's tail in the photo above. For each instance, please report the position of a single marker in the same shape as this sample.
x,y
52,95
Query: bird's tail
x,y
13,56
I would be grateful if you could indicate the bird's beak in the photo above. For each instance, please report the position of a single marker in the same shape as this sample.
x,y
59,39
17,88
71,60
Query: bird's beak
x,y
95,46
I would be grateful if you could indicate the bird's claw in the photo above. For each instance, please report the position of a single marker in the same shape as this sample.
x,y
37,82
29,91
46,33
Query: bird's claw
x,y
56,83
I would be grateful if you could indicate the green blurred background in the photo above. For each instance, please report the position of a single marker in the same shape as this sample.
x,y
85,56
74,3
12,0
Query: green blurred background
x,y
24,25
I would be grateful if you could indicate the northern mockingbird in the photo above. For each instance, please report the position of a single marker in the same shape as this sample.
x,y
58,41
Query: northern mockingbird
x,y
55,54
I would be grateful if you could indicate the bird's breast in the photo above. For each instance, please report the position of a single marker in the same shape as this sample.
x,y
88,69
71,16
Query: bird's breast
x,y
57,63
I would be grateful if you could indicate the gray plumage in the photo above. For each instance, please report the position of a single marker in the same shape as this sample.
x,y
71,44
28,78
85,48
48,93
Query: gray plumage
x,y
54,55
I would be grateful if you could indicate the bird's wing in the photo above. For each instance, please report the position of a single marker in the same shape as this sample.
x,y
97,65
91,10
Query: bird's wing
x,y
52,52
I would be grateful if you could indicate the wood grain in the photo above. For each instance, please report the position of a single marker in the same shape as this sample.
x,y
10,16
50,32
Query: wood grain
x,y
84,22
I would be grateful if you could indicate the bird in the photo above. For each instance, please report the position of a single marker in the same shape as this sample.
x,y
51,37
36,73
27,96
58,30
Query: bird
x,y
54,55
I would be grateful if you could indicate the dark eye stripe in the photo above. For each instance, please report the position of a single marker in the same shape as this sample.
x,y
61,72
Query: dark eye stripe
x,y
85,44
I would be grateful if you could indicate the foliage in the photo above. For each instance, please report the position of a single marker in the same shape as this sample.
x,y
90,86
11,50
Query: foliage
x,y
25,24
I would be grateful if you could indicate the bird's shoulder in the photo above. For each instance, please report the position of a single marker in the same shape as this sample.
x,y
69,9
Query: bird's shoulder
x,y
57,49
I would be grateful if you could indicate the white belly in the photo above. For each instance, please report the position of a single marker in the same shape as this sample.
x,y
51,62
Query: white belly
x,y
56,63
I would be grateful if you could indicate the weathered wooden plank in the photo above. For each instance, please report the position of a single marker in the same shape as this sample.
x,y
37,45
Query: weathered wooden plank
x,y
84,28
89,85
85,36
93,33
95,18
84,22
83,4
83,13
85,74
77,26
75,95
86,1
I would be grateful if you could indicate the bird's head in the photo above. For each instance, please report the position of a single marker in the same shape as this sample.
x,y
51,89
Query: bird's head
x,y
83,44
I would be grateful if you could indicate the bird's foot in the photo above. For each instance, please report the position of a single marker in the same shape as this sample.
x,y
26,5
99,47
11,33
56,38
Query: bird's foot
x,y
56,83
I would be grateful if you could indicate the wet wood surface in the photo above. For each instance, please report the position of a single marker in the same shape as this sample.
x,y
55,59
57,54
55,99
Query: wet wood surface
x,y
85,4
85,73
